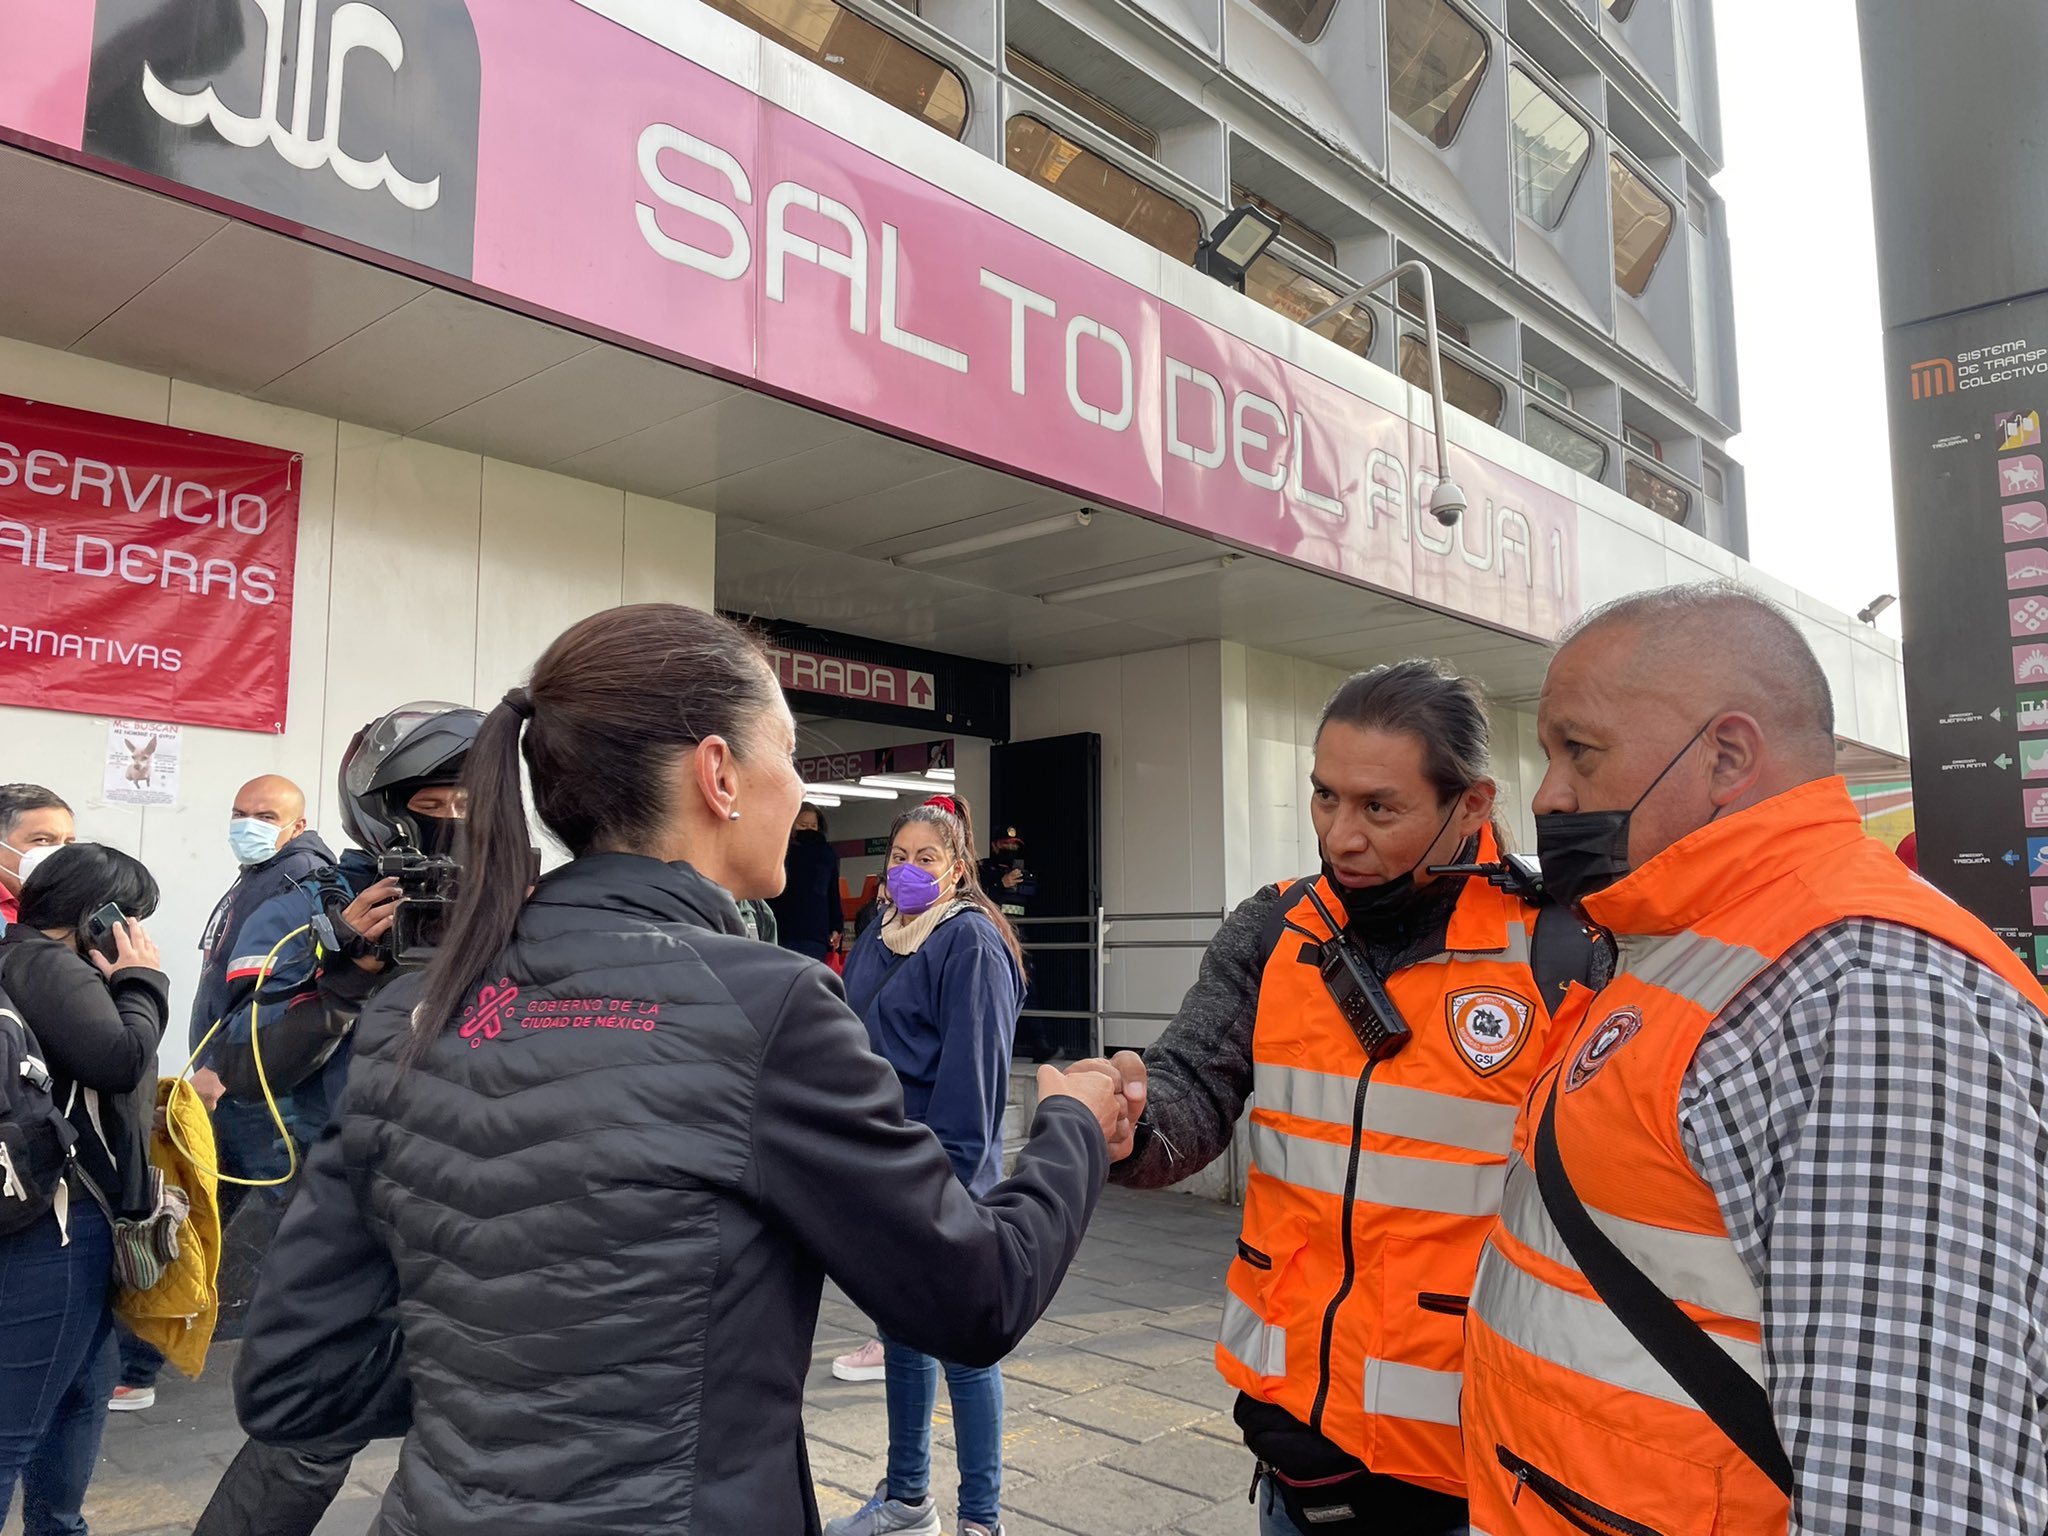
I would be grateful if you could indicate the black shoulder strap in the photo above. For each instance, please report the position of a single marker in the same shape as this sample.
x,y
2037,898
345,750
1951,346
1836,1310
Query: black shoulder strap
x,y
1724,1391
1276,918
1560,953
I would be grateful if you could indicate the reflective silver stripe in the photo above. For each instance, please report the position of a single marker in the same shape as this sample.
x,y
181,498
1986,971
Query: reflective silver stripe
x,y
1692,966
1580,1335
1390,1109
1254,1343
1410,1392
1324,1096
1514,952
1412,1183
1689,1266
1393,1110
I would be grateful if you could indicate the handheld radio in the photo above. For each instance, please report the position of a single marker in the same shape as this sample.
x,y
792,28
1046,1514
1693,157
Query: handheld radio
x,y
1358,992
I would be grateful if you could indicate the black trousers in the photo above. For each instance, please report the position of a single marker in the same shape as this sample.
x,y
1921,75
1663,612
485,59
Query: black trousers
x,y
270,1491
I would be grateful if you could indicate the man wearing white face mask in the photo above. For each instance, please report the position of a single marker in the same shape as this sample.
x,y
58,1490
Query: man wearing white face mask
x,y
34,822
276,850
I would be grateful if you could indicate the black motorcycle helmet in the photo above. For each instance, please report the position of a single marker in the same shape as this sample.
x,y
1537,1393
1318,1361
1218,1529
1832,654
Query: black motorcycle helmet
x,y
415,747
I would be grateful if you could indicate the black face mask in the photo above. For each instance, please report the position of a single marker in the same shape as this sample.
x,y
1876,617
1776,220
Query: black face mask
x,y
1586,851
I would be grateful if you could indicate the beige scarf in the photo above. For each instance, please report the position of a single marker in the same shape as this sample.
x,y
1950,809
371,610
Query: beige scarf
x,y
903,935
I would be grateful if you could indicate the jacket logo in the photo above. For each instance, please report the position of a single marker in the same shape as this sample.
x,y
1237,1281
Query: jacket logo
x,y
484,1019
354,26
1489,1028
1614,1032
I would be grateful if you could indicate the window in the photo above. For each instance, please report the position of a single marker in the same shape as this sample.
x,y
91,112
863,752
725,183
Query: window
x,y
857,50
1092,109
1641,441
1032,149
1568,445
1292,230
1304,18
1411,301
1619,9
1540,383
1642,227
1435,60
1469,390
1547,148
1661,496
1714,483
1295,294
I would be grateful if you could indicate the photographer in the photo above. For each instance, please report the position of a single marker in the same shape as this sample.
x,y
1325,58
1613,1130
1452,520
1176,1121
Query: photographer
x,y
88,984
402,806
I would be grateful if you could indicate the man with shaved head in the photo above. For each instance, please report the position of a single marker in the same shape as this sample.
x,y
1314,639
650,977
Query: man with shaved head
x,y
275,851
1773,1255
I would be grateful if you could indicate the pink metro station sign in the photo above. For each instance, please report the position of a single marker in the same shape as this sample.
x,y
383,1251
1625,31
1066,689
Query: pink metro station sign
x,y
635,174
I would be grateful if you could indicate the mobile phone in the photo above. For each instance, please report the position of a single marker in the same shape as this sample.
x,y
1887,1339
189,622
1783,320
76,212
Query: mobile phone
x,y
99,930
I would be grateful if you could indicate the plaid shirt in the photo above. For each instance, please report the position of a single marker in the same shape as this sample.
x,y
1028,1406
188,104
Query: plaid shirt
x,y
1872,1115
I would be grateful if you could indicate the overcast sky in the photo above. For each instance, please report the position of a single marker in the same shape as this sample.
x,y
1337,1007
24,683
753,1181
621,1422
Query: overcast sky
x,y
1808,347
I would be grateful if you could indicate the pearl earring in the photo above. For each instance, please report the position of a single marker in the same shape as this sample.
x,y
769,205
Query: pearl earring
x,y
732,815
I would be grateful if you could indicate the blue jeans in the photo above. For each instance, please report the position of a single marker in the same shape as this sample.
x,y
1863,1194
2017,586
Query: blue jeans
x,y
57,1365
1275,1521
977,1396
141,1362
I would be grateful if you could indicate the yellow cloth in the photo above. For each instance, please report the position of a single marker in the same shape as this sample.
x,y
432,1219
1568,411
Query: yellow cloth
x,y
178,1313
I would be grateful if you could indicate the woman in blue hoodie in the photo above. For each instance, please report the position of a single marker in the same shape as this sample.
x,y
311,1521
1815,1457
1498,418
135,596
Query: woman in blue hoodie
x,y
939,981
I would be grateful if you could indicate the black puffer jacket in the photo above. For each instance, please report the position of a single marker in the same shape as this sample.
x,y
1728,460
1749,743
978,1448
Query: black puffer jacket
x,y
604,1208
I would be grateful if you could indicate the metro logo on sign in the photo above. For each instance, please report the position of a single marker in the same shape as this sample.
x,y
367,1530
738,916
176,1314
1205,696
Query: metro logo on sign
x,y
838,678
357,118
1933,376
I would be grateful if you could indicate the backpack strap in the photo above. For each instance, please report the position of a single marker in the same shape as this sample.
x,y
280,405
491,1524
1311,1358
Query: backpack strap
x,y
1277,924
1561,951
1721,1389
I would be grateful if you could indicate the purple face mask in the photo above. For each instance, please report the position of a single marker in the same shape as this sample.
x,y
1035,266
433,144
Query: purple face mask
x,y
914,890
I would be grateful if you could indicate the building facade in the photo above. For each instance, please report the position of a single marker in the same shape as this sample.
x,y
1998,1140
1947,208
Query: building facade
x,y
1550,159
881,324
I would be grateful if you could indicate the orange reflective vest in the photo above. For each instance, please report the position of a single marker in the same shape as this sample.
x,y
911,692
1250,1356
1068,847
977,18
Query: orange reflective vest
x,y
1373,1186
1570,1425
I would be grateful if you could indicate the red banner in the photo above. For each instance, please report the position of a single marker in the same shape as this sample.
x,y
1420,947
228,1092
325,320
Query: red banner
x,y
144,571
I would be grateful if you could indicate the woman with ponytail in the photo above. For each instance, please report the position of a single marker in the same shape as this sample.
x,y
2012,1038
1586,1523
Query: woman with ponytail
x,y
939,981
568,1232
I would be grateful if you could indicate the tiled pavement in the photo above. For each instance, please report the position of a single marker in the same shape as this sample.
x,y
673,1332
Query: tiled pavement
x,y
1117,1422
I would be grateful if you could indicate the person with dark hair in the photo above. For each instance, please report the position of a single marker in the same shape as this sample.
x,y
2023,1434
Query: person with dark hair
x,y
569,1230
97,1010
276,851
306,963
34,821
1388,1020
808,913
939,981
1778,1256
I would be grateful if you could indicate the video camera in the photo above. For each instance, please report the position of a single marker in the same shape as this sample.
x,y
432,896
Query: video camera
x,y
426,899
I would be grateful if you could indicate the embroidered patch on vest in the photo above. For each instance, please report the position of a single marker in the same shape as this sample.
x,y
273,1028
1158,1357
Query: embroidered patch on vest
x,y
1488,1027
1616,1031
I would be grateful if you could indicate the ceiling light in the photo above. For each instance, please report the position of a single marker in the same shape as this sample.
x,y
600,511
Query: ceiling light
x,y
1017,533
1134,583
822,802
943,775
904,782
850,791
1234,244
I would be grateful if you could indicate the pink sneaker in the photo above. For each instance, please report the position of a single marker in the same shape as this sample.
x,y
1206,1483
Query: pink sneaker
x,y
864,1364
